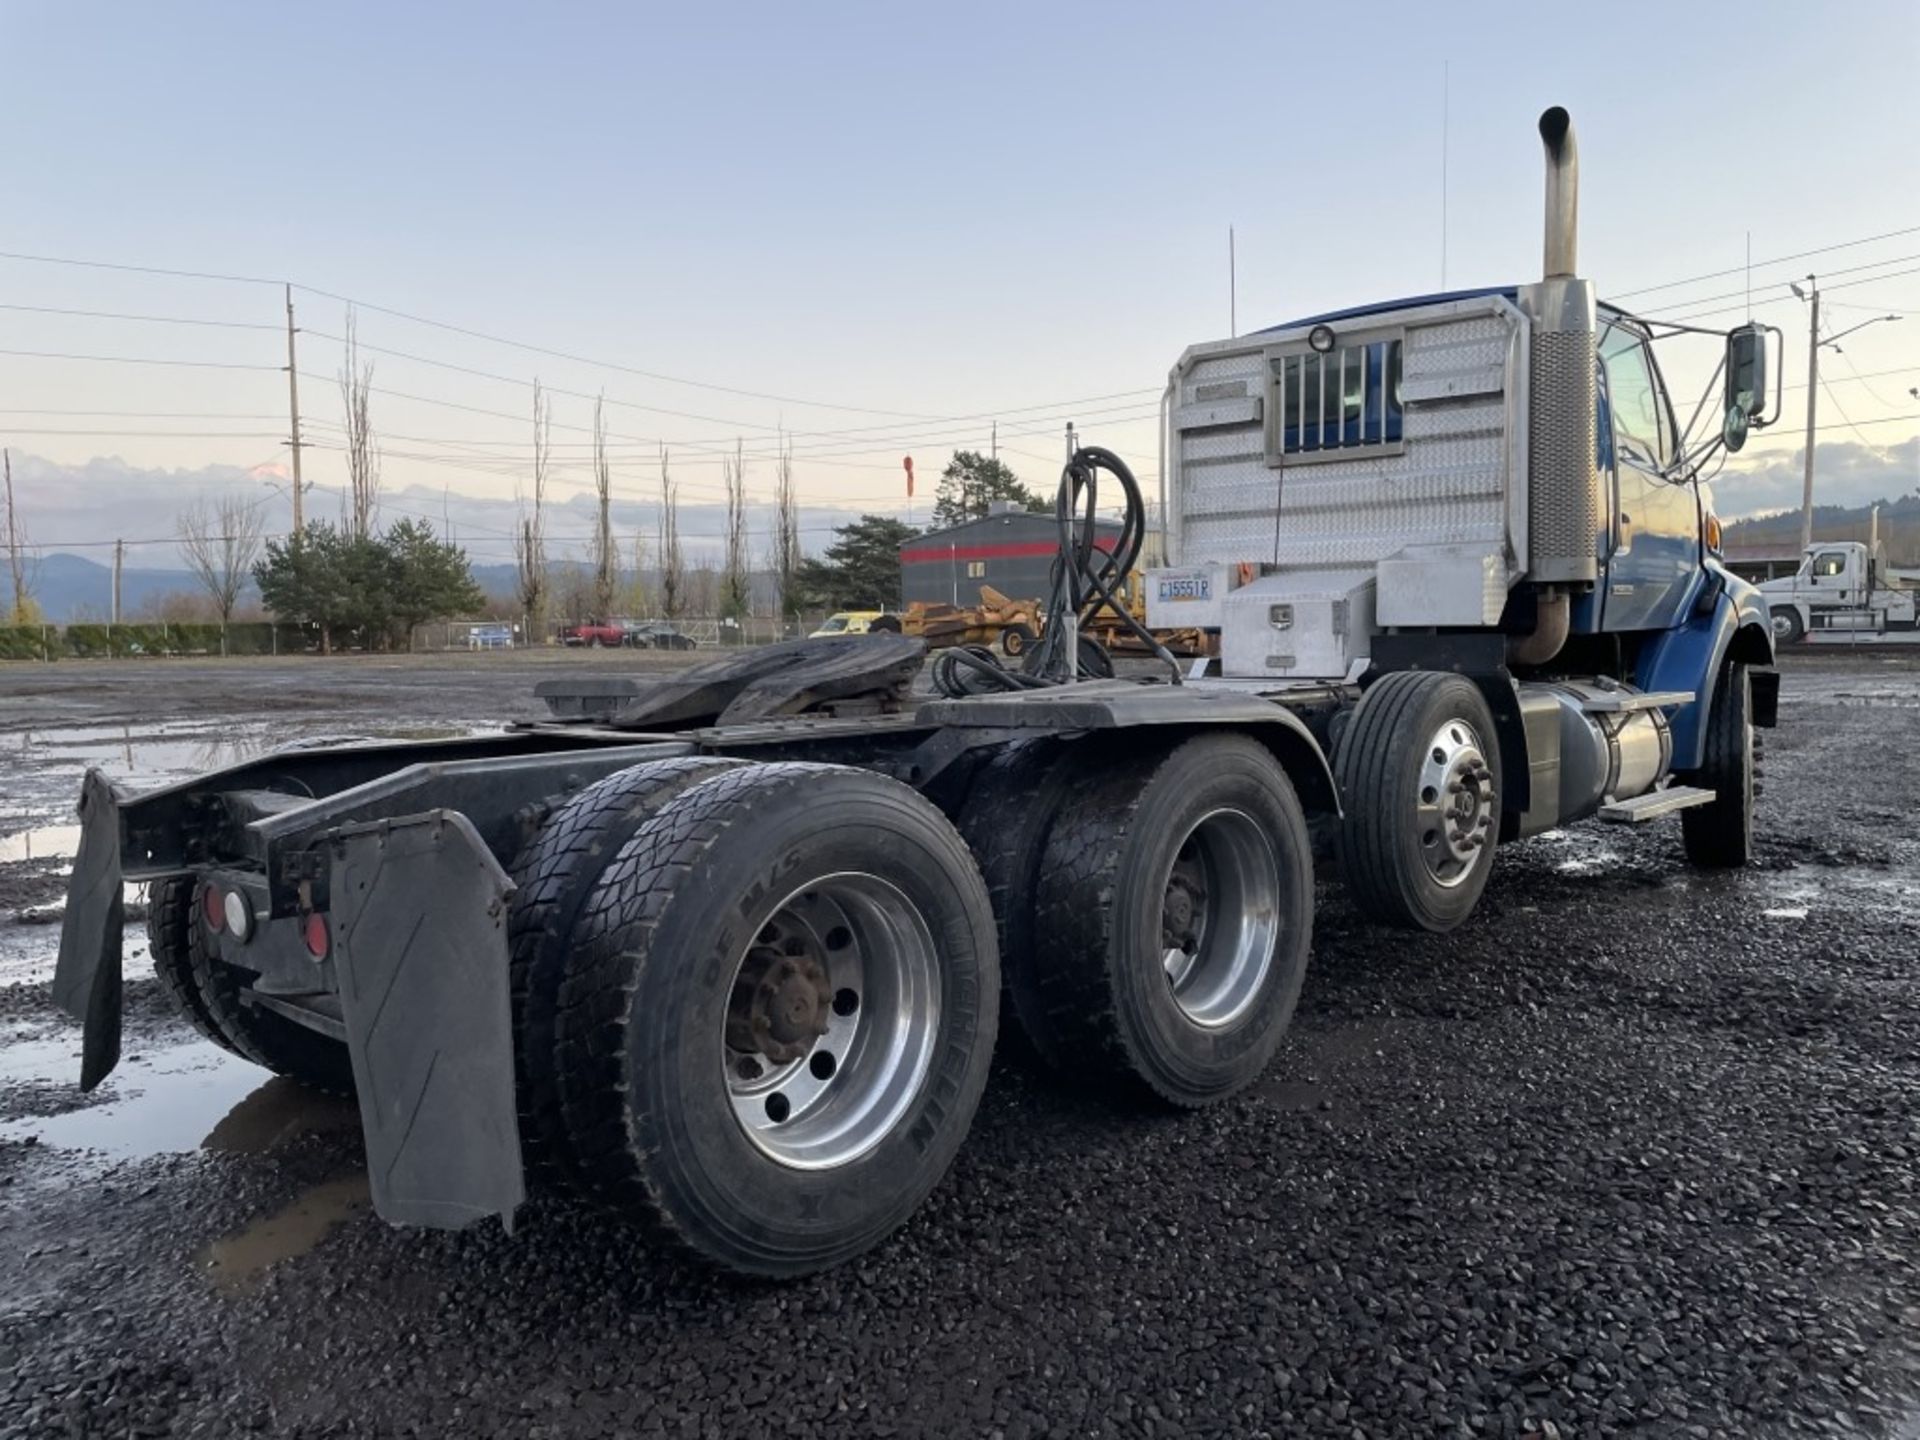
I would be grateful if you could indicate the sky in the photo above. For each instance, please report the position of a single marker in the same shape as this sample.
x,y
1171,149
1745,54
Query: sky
x,y
879,228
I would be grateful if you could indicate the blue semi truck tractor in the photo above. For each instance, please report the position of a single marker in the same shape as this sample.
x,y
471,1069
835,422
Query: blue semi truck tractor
x,y
728,952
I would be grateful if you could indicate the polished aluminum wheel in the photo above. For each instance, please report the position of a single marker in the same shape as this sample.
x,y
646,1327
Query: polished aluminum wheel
x,y
1456,806
1220,917
831,1024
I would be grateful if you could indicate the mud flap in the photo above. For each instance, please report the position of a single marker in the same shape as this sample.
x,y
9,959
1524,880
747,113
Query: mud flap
x,y
86,979
420,947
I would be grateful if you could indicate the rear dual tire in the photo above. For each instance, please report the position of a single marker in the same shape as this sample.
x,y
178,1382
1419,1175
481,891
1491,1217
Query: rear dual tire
x,y
553,877
776,1015
1172,916
209,991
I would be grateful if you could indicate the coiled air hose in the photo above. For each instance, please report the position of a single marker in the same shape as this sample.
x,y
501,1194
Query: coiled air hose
x,y
1085,581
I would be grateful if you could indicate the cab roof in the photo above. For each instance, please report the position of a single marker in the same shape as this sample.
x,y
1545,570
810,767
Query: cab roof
x,y
1409,302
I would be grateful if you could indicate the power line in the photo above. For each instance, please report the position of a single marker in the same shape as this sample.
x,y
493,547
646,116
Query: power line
x,y
152,434
140,360
1780,284
571,357
137,269
147,319
148,414
1786,299
1777,260
603,364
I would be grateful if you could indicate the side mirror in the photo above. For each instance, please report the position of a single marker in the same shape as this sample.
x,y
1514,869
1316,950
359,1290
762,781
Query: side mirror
x,y
1746,382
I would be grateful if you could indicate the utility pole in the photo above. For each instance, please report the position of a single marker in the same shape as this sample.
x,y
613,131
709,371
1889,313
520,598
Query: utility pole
x,y
996,439
293,408
14,562
119,555
1233,288
1813,400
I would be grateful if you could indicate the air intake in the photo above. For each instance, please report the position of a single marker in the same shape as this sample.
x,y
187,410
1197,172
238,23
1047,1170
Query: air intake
x,y
1563,513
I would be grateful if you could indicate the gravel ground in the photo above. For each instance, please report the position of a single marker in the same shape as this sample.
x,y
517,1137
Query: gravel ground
x,y
1634,1151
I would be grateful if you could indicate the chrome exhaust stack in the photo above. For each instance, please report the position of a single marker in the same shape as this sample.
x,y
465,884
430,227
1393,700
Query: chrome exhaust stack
x,y
1563,510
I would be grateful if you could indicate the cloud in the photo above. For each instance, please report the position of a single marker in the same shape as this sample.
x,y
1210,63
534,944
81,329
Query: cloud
x,y
81,506
1846,472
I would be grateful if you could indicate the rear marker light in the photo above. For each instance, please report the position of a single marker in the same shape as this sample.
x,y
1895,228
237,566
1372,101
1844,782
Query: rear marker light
x,y
214,905
315,931
239,912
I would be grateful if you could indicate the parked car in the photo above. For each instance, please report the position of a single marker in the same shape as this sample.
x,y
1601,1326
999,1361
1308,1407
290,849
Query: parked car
x,y
855,622
594,633
657,635
490,637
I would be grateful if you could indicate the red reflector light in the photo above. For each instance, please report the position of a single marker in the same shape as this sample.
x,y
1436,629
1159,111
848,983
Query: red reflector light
x,y
214,905
315,930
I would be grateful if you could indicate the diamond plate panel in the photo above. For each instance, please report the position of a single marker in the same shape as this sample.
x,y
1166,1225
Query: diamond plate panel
x,y
1449,483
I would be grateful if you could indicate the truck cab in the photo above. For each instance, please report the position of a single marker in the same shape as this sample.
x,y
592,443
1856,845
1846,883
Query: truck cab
x,y
1843,587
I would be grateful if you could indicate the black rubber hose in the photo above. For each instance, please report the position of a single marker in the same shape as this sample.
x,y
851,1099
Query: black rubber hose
x,y
1083,583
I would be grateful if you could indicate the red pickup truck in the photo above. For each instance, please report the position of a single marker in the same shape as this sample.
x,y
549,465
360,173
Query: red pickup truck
x,y
595,633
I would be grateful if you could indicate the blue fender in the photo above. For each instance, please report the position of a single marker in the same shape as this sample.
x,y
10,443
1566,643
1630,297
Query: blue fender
x,y
1728,617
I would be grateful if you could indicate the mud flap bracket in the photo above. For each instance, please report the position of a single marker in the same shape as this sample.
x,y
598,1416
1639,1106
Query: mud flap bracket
x,y
420,949
86,978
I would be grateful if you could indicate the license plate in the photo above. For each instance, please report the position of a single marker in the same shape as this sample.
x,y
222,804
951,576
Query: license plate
x,y
1185,587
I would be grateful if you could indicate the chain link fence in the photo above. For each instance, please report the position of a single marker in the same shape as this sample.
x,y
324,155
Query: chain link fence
x,y
704,633
100,641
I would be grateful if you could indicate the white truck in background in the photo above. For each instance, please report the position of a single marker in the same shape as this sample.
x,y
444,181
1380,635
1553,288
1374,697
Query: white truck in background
x,y
1845,591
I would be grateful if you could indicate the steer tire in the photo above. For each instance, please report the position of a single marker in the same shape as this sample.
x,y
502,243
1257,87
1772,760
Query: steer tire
x,y
258,1034
655,983
1099,995
1719,835
170,939
1378,764
1788,629
553,875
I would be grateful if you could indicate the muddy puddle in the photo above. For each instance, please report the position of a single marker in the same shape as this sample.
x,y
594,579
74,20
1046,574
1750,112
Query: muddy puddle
x,y
237,1262
52,759
167,1098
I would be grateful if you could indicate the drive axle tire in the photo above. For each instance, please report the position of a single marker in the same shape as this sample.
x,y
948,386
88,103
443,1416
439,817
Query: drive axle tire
x,y
170,926
778,1015
1719,835
252,1032
1006,819
554,874
1175,912
1419,774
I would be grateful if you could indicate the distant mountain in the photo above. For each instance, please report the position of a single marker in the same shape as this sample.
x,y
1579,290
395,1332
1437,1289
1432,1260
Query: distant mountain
x,y
1764,536
71,588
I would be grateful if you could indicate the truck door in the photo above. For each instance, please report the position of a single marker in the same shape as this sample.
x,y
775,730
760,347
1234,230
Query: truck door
x,y
1832,581
1656,521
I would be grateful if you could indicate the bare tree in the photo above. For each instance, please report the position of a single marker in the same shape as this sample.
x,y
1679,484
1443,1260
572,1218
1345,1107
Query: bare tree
x,y
606,562
736,580
786,529
672,564
22,568
639,593
220,540
363,451
529,535
702,586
